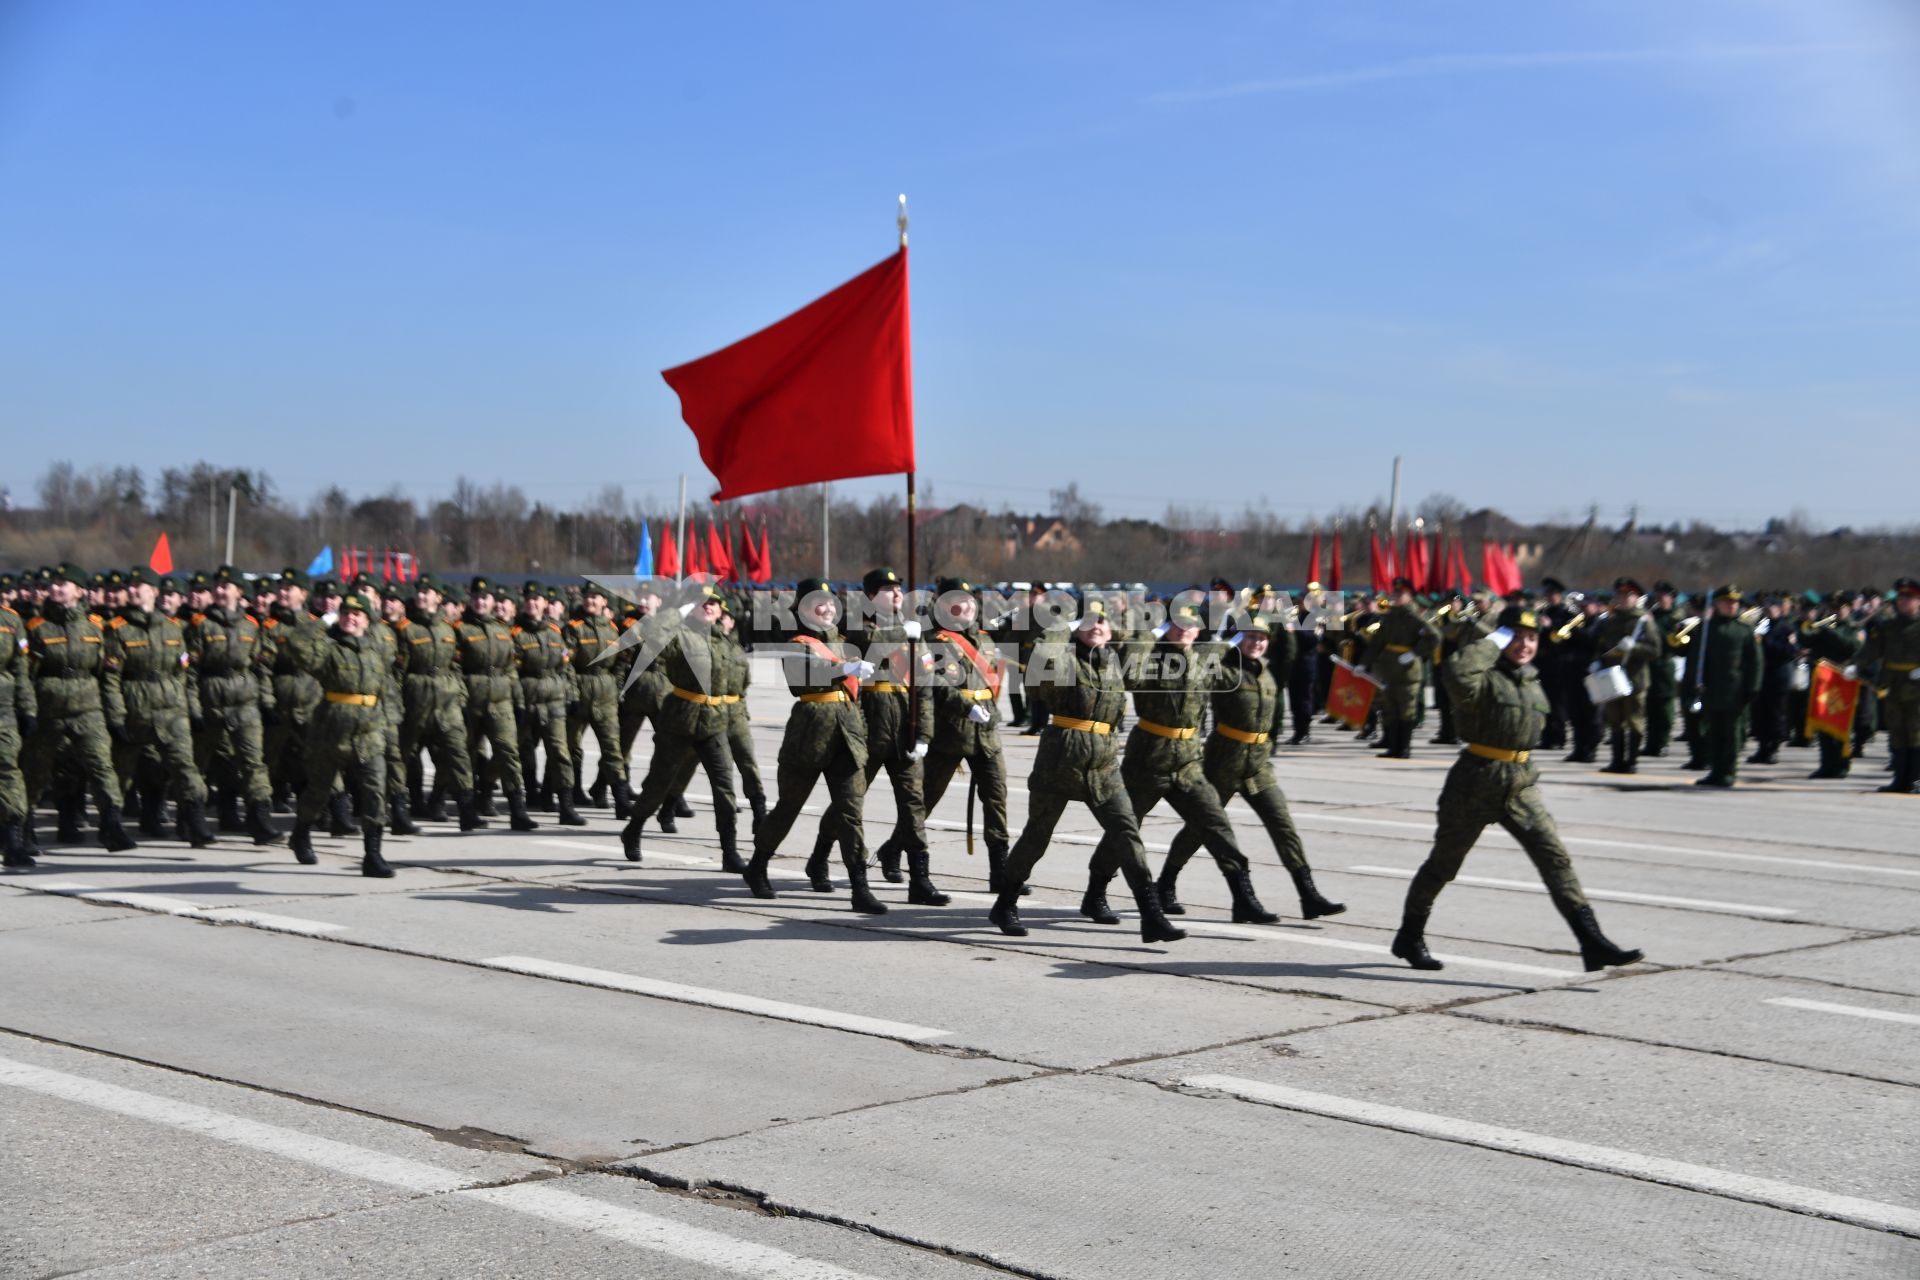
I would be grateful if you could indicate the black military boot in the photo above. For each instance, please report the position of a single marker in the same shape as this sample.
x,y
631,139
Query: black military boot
x,y
730,859
681,809
756,875
470,819
541,798
1410,944
416,786
113,836
340,822
759,805
13,855
1154,925
1094,905
435,809
399,820
1006,912
578,796
997,867
888,856
622,799
569,816
597,794
630,837
193,823
517,812
1595,951
1246,907
150,802
863,900
921,891
1634,741
1768,753
1312,904
283,798
371,863
259,828
29,840
820,866
665,818
67,827
301,842
1617,745
227,813
483,802
1906,772
1168,887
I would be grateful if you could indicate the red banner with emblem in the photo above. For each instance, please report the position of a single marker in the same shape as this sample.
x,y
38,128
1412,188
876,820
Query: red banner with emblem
x,y
1832,700
1351,695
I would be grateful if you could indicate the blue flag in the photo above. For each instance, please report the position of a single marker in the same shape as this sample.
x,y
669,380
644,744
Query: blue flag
x,y
322,563
643,563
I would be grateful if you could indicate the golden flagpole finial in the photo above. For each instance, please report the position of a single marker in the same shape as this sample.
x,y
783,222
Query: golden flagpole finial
x,y
903,220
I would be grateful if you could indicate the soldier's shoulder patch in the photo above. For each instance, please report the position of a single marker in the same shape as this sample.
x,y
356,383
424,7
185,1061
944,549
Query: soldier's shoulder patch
x,y
199,618
516,629
117,623
401,624
32,623
269,622
555,628
96,620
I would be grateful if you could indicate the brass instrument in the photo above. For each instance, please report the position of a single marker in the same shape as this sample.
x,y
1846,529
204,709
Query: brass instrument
x,y
1681,636
1572,625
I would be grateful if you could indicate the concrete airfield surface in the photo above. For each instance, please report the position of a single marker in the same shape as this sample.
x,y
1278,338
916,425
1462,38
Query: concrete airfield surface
x,y
527,1056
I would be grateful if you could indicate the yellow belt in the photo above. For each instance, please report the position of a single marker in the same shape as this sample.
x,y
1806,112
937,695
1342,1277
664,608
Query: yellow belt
x,y
1399,648
1241,735
976,695
1166,731
1499,753
885,686
705,699
831,695
354,699
1080,726
1902,666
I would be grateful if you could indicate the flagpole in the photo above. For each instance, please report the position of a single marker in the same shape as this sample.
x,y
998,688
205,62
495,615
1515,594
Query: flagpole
x,y
913,570
826,532
680,560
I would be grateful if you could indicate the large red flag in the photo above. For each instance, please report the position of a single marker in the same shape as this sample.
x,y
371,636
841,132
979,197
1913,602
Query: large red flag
x,y
824,394
161,561
1382,565
667,563
1333,578
693,553
1350,696
749,555
1313,561
766,556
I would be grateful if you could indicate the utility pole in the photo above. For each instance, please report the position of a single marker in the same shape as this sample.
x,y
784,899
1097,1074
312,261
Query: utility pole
x,y
233,501
1393,502
826,532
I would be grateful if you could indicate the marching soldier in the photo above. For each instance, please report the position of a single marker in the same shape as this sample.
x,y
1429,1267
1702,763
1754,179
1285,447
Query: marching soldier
x,y
899,730
1835,639
1171,683
1892,651
1501,712
19,713
1393,657
1627,637
643,696
1555,612
826,736
693,729
66,649
487,652
547,684
434,718
235,695
1086,695
1573,644
591,638
1723,673
1235,764
146,698
1779,654
349,739
1304,630
1662,688
738,671
295,693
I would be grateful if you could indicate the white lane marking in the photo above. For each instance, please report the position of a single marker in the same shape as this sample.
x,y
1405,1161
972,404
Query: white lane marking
x,y
1598,843
614,852
1851,1010
166,906
267,920
1631,1164
541,1200
535,967
1610,895
1283,935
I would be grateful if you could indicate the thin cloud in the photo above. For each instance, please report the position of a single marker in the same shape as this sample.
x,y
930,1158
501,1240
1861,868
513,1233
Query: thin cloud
x,y
1459,64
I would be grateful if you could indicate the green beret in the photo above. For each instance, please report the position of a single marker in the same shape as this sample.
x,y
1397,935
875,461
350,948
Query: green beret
x,y
808,586
1183,616
1728,592
136,575
426,582
357,603
701,592
480,587
200,580
69,573
1519,618
227,573
593,589
451,594
6,582
878,580
531,589
297,578
169,586
555,593
1093,609
1256,625
949,585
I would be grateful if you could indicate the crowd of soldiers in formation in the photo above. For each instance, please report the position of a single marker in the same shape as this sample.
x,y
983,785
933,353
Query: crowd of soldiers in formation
x,y
264,695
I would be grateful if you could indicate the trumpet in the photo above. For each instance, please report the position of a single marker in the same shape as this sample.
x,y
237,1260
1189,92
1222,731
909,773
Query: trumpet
x,y
1572,625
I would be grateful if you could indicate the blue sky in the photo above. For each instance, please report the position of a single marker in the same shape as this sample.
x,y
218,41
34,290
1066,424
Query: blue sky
x,y
1589,251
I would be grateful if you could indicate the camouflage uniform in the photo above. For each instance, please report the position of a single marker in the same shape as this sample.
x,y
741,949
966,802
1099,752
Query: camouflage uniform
x,y
736,676
547,684
433,717
296,695
487,650
1395,656
66,649
348,743
1629,638
598,705
149,707
693,735
228,668
18,709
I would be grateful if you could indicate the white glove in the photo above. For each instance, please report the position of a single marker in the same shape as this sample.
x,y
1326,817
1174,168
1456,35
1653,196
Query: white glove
x,y
1914,674
1502,638
919,751
1592,667
1406,659
979,714
912,629
857,669
1851,672
1160,632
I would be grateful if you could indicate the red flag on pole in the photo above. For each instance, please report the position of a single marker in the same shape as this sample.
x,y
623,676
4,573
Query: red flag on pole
x,y
749,555
161,561
667,563
824,394
1350,696
1382,565
719,553
1313,561
693,553
766,556
1832,701
1333,578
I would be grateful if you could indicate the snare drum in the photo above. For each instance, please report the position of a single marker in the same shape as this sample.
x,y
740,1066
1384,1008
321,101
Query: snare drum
x,y
1609,684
